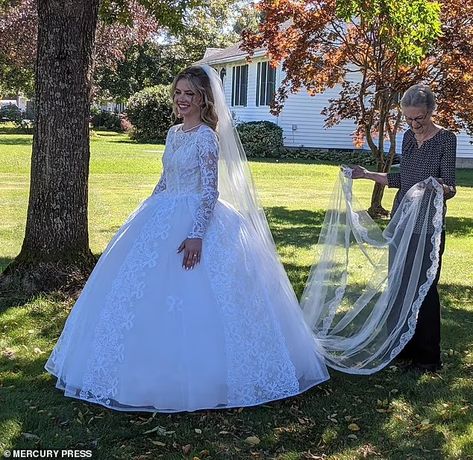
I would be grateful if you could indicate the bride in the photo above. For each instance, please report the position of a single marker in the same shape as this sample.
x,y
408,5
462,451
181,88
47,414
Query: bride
x,y
189,306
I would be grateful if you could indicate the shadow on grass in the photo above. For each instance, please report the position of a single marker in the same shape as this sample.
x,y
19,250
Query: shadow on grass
x,y
298,227
464,178
16,140
317,420
4,262
293,161
459,226
124,141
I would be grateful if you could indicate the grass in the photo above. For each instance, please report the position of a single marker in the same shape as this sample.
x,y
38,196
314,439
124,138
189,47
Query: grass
x,y
400,415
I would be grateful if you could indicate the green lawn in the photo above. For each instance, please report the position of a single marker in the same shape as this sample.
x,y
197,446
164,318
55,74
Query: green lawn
x,y
400,415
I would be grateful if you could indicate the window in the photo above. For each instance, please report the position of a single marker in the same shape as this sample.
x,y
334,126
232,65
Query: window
x,y
240,85
266,84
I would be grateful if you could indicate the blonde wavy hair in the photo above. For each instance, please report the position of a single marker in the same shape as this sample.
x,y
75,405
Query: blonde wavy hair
x,y
200,83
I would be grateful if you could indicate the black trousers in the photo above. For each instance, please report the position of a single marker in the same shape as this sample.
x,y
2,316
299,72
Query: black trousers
x,y
424,347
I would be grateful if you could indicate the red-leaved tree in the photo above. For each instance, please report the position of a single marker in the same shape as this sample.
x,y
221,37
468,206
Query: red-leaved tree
x,y
18,41
373,50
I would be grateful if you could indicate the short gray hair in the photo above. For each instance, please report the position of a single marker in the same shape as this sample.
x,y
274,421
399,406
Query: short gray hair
x,y
419,95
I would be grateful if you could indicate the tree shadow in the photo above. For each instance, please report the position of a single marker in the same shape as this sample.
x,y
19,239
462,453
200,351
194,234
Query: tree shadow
x,y
16,141
464,178
123,141
300,423
4,262
293,161
459,226
432,399
298,227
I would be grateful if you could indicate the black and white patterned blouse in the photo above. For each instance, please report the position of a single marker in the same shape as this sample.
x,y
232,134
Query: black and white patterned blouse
x,y
435,157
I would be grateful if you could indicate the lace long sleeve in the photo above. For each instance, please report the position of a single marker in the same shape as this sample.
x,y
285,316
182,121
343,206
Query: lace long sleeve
x,y
161,185
207,146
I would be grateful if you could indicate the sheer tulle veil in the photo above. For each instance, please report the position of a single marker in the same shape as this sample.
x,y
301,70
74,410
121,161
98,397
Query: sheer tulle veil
x,y
236,186
361,300
366,285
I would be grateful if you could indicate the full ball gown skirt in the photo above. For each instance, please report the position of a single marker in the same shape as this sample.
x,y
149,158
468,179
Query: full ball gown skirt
x,y
148,335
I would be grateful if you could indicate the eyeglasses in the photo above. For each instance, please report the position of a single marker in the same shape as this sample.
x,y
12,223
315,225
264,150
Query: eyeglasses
x,y
418,120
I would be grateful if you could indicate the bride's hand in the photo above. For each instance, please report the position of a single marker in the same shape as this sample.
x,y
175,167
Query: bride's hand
x,y
192,248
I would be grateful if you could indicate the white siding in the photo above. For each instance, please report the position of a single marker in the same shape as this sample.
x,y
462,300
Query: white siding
x,y
20,102
300,119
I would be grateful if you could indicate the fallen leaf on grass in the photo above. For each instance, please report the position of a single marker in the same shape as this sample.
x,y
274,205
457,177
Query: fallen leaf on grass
x,y
186,449
198,431
9,353
252,440
353,427
310,456
158,443
159,430
424,424
30,436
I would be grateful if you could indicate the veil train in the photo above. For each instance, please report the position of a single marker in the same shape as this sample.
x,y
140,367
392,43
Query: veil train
x,y
366,285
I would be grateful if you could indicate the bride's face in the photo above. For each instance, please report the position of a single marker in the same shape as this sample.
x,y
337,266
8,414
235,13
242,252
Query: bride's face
x,y
187,101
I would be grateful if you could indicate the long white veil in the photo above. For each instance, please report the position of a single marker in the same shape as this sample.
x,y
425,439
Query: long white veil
x,y
365,289
236,185
366,286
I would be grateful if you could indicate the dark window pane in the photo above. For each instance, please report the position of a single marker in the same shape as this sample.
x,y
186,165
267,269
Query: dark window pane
x,y
271,85
233,86
244,85
258,84
238,85
264,77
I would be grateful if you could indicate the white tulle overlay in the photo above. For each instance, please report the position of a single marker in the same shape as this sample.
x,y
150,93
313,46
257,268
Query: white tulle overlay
x,y
366,287
147,335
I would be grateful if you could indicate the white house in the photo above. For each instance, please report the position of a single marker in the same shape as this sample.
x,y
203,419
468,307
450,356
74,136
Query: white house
x,y
249,88
19,101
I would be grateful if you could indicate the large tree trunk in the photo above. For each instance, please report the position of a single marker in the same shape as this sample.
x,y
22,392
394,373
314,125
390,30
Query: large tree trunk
x,y
56,244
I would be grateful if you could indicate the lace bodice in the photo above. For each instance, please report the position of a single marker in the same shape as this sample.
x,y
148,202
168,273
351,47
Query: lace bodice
x,y
190,167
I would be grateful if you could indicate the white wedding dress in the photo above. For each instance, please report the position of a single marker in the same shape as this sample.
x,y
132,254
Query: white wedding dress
x,y
148,335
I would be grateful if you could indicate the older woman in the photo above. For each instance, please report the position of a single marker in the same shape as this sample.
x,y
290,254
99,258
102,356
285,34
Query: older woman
x,y
427,150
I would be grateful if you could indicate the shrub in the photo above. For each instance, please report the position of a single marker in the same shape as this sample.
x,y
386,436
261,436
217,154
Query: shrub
x,y
10,112
349,157
25,126
261,139
105,120
150,113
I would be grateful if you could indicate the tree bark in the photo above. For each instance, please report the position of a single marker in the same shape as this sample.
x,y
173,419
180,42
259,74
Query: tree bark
x,y
376,208
56,243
